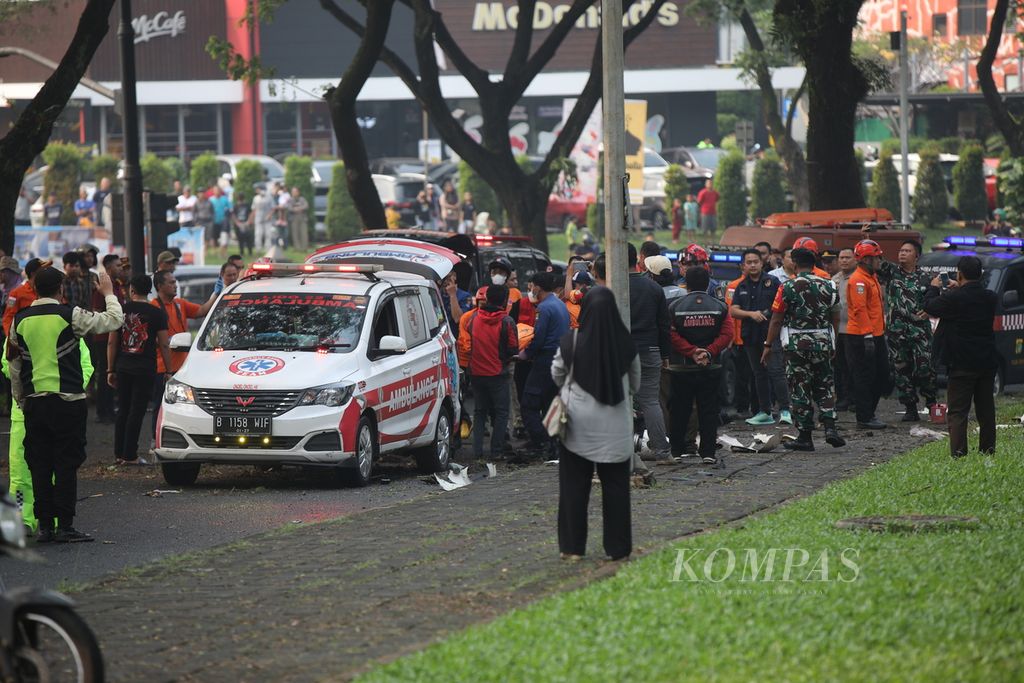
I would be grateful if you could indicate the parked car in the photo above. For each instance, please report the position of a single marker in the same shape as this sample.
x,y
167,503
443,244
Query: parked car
x,y
560,210
227,165
399,192
695,159
323,174
946,161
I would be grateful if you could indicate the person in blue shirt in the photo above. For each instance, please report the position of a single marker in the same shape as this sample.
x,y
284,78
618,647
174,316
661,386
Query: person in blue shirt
x,y
551,325
85,210
221,233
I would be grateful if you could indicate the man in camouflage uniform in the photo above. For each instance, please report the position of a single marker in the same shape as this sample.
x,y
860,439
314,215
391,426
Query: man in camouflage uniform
x,y
805,314
908,330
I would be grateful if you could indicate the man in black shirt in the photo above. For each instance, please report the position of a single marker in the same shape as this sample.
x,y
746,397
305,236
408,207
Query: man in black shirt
x,y
131,359
649,325
966,310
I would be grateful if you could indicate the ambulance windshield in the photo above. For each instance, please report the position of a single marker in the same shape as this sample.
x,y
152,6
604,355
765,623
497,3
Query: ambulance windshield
x,y
285,322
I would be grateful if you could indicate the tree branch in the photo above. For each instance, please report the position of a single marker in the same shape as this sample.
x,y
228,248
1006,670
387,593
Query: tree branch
x,y
1007,124
478,78
792,109
342,102
521,78
524,36
388,56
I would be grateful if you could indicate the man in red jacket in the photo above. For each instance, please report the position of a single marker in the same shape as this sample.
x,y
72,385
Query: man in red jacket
x,y
701,330
493,342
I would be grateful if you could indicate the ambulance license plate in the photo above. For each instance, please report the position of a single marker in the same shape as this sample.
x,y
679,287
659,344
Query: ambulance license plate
x,y
241,425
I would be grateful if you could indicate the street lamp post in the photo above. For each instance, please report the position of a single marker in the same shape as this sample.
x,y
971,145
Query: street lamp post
x,y
904,124
134,241
614,125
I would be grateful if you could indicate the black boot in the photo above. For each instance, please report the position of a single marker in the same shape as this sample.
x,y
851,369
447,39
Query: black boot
x,y
911,414
832,437
803,442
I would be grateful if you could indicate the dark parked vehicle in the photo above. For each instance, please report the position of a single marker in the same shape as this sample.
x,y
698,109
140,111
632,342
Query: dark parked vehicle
x,y
399,192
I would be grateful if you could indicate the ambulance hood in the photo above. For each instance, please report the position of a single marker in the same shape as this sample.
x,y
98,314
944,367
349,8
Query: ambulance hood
x,y
266,370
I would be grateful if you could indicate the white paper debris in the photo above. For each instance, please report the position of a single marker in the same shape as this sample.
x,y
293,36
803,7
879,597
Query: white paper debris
x,y
492,471
730,441
925,433
459,475
445,484
551,462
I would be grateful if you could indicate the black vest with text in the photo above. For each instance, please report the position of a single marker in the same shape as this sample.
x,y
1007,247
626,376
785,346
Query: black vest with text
x,y
698,318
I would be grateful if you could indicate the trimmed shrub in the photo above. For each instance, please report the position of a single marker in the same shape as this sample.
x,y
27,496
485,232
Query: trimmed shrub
x,y
299,173
677,186
105,166
1011,188
484,197
767,193
178,171
342,218
969,183
931,206
732,190
157,174
885,185
248,172
595,219
66,165
204,172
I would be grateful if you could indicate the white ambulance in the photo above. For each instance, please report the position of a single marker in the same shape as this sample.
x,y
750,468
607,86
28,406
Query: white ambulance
x,y
324,364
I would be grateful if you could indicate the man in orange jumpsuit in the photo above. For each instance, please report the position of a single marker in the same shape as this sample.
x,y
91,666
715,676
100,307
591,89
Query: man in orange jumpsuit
x,y
24,294
866,351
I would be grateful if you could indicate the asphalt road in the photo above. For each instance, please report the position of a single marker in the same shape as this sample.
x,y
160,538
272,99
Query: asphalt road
x,y
133,526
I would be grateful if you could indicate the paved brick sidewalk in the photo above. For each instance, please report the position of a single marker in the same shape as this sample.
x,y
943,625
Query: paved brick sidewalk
x,y
323,602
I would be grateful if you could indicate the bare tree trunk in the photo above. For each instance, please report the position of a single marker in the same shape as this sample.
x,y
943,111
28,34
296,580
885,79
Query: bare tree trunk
x,y
32,130
792,155
342,103
1007,123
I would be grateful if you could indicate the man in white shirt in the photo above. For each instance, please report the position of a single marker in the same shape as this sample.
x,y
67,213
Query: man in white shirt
x,y
262,217
787,270
187,208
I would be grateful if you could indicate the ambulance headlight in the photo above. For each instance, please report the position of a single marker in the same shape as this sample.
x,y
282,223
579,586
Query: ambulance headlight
x,y
334,395
177,392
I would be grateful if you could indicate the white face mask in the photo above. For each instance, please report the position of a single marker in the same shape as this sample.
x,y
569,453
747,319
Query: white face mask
x,y
533,298
499,279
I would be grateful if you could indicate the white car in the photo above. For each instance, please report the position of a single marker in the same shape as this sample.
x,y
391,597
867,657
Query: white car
x,y
324,364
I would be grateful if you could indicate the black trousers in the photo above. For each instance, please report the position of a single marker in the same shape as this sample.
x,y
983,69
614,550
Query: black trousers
x,y
965,386
844,380
870,373
700,386
104,392
574,479
134,394
54,450
157,397
538,392
745,393
492,400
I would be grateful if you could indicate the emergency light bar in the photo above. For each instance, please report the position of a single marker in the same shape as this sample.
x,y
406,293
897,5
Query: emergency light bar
x,y
973,241
727,258
1008,242
962,240
361,268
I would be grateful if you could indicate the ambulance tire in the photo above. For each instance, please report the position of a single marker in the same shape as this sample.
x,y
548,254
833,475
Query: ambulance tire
x,y
438,455
366,454
180,473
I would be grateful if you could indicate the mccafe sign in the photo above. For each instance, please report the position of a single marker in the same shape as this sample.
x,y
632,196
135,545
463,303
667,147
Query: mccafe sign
x,y
499,16
161,24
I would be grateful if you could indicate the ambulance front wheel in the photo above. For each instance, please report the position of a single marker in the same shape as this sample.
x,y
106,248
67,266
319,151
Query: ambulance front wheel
x,y
366,454
437,456
180,473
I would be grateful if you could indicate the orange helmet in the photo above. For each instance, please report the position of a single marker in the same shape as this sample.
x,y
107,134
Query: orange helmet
x,y
806,243
866,248
696,254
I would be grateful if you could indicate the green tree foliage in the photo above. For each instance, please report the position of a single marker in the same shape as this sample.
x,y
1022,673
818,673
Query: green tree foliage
x,y
885,185
204,172
157,174
767,193
677,185
729,181
969,183
66,165
298,172
248,172
483,196
178,171
595,219
931,205
342,217
1011,188
105,166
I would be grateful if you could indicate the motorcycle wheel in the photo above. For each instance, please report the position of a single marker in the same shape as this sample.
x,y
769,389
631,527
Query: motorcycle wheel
x,y
53,643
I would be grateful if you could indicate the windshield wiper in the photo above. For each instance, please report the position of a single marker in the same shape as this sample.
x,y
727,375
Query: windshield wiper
x,y
322,346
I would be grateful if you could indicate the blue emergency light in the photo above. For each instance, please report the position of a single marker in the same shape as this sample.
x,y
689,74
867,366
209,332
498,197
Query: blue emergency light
x,y
670,255
966,240
1008,242
727,258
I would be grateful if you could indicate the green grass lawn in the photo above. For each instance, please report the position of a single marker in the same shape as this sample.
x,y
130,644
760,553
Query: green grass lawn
x,y
936,606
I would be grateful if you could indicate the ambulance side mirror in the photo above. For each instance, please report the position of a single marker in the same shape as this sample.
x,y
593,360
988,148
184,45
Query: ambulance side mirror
x,y
390,345
1011,299
181,342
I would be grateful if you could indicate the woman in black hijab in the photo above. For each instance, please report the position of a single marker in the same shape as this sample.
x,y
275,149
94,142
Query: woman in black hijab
x,y
597,368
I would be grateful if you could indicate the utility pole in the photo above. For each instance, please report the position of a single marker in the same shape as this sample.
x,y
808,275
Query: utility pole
x,y
134,240
904,124
613,109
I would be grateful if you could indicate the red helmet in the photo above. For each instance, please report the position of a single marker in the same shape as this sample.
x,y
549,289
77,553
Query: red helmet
x,y
866,248
696,254
806,243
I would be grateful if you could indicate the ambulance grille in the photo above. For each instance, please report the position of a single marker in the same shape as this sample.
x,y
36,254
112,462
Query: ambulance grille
x,y
228,401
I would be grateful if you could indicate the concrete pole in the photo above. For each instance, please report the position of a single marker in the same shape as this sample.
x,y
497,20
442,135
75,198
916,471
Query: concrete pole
x,y
614,124
134,236
904,125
